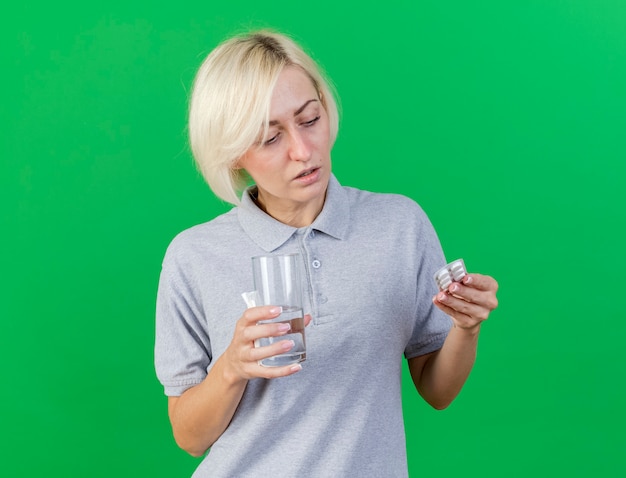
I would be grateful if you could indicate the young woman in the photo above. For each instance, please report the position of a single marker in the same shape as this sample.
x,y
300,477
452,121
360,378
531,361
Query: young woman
x,y
262,113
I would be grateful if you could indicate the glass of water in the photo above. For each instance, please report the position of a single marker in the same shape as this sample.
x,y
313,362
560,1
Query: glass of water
x,y
277,282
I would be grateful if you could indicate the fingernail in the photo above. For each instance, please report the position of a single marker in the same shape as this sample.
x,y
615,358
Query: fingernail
x,y
454,288
467,280
284,327
442,297
276,310
296,368
288,345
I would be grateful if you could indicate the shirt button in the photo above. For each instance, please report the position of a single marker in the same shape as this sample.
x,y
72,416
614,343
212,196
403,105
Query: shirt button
x,y
316,264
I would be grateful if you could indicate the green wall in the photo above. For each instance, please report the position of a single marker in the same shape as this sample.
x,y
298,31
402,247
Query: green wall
x,y
504,120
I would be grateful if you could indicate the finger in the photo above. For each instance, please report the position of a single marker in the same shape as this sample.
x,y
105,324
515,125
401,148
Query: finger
x,y
260,353
274,348
272,329
457,305
307,319
277,372
256,314
459,320
480,282
482,298
456,315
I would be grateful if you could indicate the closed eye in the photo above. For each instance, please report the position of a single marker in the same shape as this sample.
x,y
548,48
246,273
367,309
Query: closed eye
x,y
272,140
311,122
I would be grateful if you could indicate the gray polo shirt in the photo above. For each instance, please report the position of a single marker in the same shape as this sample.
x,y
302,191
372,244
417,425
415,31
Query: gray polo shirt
x,y
369,260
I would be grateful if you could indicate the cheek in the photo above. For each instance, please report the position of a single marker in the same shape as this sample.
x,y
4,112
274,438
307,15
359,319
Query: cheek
x,y
322,142
326,133
257,165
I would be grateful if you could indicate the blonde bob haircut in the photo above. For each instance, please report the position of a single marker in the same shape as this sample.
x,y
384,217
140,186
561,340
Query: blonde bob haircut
x,y
230,102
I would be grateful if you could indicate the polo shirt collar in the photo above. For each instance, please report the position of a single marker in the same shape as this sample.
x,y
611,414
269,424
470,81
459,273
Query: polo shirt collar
x,y
270,234
334,219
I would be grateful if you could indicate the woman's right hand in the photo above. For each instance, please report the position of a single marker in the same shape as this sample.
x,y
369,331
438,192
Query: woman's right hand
x,y
202,413
241,357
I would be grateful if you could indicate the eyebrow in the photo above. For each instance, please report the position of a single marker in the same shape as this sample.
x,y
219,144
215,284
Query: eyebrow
x,y
295,113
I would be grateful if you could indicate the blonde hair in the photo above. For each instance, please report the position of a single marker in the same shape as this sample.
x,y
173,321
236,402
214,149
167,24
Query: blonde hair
x,y
230,103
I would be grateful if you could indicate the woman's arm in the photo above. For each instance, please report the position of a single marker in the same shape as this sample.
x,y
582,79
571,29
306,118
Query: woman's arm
x,y
201,414
439,376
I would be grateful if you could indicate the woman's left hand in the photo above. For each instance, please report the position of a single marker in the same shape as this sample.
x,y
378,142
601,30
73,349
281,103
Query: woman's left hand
x,y
470,301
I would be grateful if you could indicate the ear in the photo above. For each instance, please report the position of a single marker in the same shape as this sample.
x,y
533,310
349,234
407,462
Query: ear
x,y
236,166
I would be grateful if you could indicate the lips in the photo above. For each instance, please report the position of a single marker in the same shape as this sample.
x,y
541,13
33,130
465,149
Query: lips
x,y
306,172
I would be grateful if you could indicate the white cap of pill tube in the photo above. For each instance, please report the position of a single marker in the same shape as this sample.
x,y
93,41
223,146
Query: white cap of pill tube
x,y
251,298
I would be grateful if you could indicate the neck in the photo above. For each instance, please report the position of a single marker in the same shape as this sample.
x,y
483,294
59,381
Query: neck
x,y
294,215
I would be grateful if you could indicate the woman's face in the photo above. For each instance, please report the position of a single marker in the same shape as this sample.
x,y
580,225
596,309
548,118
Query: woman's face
x,y
291,165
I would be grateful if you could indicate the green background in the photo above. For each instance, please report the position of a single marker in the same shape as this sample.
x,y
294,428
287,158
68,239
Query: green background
x,y
504,120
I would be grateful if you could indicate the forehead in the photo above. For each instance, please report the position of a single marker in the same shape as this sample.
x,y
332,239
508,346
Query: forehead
x,y
293,89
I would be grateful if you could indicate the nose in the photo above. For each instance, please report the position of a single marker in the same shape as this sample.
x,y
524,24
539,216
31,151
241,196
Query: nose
x,y
299,148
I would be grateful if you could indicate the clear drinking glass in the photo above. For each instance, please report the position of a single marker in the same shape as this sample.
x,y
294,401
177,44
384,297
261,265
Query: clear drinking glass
x,y
277,282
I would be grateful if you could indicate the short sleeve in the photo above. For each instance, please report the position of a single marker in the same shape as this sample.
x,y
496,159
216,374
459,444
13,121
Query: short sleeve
x,y
182,346
431,324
